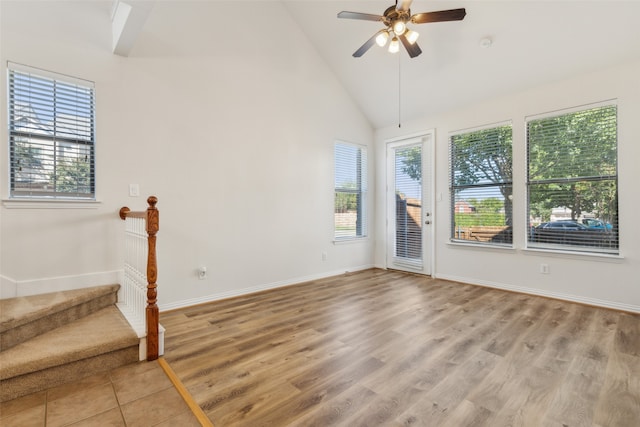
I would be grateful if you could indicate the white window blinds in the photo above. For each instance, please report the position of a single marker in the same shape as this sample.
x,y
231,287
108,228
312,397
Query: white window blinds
x,y
350,191
51,135
408,204
481,185
572,180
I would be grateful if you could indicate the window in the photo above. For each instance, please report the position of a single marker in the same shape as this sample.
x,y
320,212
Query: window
x,y
350,220
572,180
481,186
51,135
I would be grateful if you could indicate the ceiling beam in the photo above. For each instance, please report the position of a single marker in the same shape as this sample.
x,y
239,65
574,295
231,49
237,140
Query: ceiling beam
x,y
127,20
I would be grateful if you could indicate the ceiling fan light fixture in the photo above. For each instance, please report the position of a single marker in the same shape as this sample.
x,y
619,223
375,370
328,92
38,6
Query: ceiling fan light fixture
x,y
412,36
394,46
395,19
382,38
399,27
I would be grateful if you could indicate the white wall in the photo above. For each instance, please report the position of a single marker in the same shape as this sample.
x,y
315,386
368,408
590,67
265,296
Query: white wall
x,y
232,130
234,133
589,279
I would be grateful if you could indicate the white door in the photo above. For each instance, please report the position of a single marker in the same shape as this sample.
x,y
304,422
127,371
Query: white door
x,y
409,203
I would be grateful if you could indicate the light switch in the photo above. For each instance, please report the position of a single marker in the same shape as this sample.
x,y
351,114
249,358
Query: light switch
x,y
134,190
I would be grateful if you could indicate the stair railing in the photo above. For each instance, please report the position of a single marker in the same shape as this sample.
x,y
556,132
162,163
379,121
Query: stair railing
x,y
141,271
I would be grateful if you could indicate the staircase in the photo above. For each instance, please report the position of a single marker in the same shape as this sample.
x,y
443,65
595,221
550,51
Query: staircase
x,y
51,339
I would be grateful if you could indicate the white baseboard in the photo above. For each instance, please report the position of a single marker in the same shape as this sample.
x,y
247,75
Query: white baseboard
x,y
253,289
21,288
556,295
8,288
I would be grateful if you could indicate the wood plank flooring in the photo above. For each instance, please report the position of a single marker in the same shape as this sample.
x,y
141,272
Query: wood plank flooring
x,y
386,348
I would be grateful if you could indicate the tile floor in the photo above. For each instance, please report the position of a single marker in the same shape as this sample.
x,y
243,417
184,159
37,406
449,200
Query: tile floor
x,y
140,394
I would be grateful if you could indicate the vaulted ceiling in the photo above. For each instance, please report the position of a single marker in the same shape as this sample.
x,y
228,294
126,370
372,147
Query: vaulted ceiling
x,y
531,43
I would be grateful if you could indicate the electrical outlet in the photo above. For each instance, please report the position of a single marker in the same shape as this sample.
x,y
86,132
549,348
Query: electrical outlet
x,y
202,273
544,268
324,256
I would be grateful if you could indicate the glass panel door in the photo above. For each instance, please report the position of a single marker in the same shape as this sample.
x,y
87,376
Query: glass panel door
x,y
407,212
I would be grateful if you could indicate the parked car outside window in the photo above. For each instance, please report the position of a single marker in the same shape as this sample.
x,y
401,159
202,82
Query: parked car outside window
x,y
568,232
596,224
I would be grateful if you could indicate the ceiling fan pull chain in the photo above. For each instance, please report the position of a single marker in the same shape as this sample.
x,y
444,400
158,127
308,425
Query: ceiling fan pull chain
x,y
399,94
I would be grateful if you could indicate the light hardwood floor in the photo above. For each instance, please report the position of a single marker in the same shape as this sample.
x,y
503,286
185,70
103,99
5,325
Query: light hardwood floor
x,y
385,348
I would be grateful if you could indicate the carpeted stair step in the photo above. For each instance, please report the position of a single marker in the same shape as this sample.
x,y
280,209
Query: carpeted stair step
x,y
23,318
101,341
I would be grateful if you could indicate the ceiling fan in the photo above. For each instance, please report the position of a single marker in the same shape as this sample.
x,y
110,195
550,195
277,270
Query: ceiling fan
x,y
395,19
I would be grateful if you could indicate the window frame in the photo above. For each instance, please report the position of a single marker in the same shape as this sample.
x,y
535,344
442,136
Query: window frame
x,y
67,137
590,247
360,169
499,240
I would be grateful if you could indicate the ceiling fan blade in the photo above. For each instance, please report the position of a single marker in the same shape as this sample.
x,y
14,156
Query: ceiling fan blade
x,y
440,16
412,49
366,46
358,15
403,5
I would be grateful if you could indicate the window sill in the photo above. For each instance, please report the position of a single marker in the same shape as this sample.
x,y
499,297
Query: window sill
x,y
595,256
480,245
350,240
50,204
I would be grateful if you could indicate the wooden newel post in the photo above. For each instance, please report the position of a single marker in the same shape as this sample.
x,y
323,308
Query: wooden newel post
x,y
153,318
